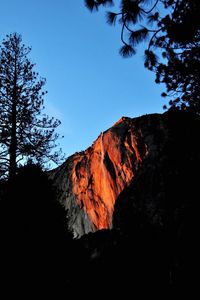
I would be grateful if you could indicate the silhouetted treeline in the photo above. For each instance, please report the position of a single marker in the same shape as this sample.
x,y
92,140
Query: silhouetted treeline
x,y
35,243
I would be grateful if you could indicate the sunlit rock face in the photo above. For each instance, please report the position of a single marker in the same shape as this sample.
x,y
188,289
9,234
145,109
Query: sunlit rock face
x,y
89,182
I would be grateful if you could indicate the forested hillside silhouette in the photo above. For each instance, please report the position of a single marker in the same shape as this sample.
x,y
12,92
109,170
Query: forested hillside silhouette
x,y
34,237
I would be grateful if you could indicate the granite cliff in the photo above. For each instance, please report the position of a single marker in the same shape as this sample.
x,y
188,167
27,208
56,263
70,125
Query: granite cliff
x,y
90,182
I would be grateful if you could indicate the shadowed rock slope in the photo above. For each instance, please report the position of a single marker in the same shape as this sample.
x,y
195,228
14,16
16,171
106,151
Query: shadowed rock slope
x,y
166,187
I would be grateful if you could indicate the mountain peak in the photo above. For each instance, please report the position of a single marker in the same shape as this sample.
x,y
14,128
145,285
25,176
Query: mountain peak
x,y
121,120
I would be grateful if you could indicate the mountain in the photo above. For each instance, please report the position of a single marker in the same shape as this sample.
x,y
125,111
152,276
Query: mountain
x,y
90,182
156,216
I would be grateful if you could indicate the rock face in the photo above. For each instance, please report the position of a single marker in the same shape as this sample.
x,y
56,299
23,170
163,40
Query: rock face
x,y
163,191
89,182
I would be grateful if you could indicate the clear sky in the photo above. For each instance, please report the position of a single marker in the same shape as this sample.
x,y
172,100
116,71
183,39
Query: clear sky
x,y
89,85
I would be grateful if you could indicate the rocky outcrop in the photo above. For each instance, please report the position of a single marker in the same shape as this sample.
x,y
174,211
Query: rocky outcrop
x,y
89,182
163,191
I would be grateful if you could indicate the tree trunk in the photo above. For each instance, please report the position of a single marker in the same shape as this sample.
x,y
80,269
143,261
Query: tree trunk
x,y
13,142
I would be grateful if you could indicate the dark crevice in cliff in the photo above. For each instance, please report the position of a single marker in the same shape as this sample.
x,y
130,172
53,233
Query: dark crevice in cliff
x,y
109,165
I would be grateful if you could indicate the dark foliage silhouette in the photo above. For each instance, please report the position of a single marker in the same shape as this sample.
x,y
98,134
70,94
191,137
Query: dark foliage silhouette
x,y
25,133
172,28
34,237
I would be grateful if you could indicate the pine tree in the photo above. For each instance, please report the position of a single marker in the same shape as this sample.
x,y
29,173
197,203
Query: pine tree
x,y
172,28
25,132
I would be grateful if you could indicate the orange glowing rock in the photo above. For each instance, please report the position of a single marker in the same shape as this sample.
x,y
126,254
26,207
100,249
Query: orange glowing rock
x,y
91,181
101,172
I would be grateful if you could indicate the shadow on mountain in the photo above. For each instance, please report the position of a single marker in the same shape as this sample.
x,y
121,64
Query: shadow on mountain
x,y
164,193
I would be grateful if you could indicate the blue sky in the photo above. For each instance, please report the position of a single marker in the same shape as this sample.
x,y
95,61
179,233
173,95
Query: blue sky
x,y
89,85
